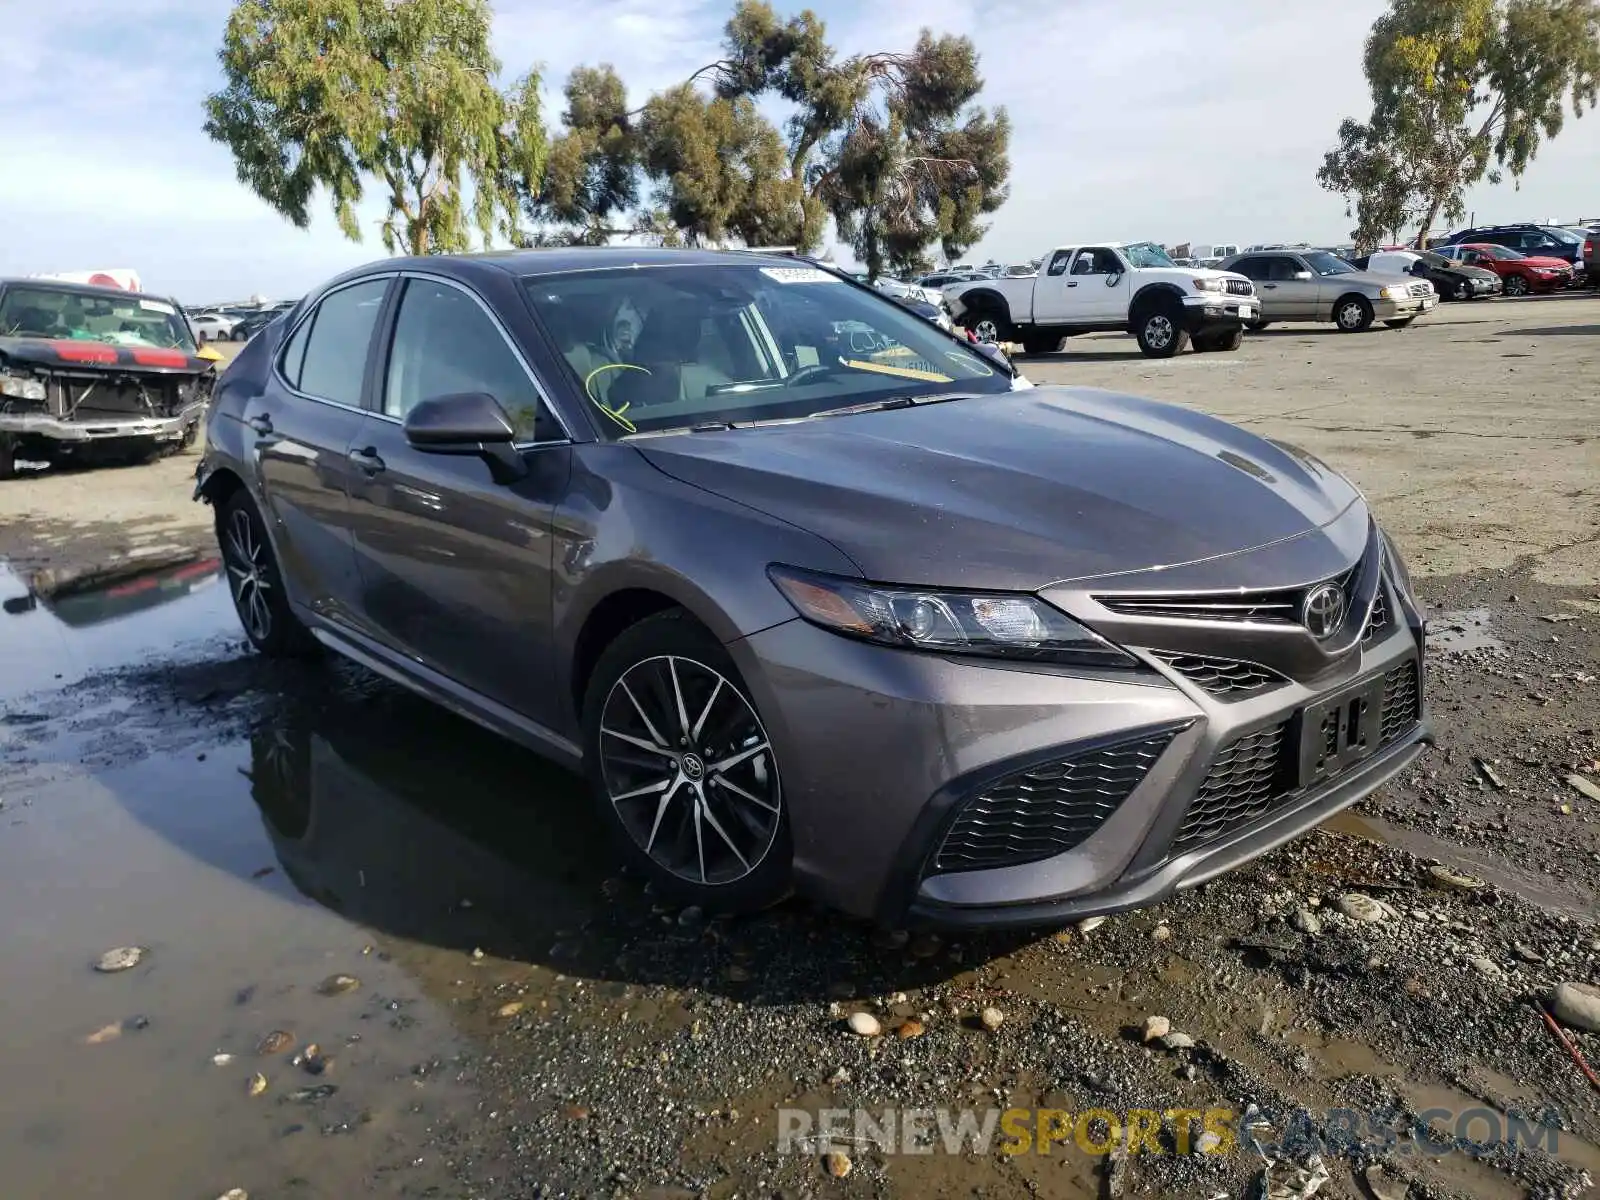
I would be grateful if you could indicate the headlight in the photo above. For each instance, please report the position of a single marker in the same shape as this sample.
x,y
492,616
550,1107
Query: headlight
x,y
1209,285
1393,293
22,387
996,625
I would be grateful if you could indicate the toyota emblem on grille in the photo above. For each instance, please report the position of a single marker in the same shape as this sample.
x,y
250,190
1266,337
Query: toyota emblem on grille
x,y
1322,611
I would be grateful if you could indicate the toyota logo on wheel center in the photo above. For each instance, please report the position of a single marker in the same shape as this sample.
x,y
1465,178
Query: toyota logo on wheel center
x,y
1322,611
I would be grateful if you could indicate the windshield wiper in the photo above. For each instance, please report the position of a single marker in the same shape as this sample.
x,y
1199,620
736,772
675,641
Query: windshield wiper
x,y
895,402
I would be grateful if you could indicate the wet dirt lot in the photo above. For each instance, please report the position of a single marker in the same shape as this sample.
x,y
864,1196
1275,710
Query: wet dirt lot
x,y
525,1022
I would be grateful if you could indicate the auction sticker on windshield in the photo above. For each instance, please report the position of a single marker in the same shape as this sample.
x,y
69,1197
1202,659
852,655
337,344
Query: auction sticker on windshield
x,y
799,275
159,306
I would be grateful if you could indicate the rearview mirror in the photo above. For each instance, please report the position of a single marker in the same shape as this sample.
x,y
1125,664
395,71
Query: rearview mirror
x,y
1302,275
470,423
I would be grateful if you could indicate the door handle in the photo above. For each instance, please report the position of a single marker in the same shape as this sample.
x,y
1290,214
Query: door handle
x,y
1269,286
1072,283
261,423
367,460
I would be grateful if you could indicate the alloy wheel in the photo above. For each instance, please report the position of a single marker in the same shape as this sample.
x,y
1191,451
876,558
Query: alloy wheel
x,y
1350,315
687,765
1516,285
1159,331
246,557
986,330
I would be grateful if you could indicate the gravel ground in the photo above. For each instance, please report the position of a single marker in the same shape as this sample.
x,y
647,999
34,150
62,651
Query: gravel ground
x,y
613,1047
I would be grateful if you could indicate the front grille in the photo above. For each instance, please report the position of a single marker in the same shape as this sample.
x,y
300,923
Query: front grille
x,y
1421,289
1378,618
1048,809
1401,707
1246,780
1280,607
1240,287
1224,677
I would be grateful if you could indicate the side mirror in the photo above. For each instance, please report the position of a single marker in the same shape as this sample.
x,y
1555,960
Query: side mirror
x,y
1302,276
995,355
469,423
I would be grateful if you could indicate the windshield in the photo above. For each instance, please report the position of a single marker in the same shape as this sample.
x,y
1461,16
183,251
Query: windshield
x,y
131,320
669,347
1436,260
1323,263
1147,254
1505,252
1567,237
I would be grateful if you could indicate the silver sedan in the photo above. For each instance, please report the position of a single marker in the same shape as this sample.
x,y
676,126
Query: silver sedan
x,y
1314,285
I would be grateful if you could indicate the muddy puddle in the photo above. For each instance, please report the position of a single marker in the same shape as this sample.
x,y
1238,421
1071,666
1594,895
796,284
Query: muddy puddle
x,y
252,852
1463,631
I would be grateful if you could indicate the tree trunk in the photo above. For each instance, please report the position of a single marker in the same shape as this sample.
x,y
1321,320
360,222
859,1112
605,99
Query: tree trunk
x,y
1427,222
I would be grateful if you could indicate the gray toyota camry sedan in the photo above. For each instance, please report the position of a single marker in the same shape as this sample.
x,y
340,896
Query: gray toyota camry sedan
x,y
817,595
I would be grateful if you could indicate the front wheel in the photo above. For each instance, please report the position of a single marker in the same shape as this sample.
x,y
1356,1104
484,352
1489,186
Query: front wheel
x,y
1160,331
1041,343
987,326
1353,314
8,457
1463,290
1257,326
256,583
683,770
1400,322
238,335
1516,285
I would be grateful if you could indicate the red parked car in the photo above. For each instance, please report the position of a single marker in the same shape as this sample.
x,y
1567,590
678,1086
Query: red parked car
x,y
1520,273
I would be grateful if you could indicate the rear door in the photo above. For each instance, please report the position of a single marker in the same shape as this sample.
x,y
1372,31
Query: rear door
x,y
301,426
456,568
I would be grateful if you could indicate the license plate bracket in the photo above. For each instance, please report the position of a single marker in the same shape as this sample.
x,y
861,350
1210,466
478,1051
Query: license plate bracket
x,y
1340,731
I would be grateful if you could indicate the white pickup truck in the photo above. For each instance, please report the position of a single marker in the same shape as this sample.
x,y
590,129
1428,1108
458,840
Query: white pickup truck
x,y
1133,287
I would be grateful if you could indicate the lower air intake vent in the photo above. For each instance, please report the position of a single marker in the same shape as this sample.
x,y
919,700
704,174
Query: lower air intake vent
x,y
1401,709
1048,809
1246,781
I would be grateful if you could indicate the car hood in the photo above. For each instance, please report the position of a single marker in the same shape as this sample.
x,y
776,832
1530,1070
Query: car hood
x,y
1018,490
1468,271
79,355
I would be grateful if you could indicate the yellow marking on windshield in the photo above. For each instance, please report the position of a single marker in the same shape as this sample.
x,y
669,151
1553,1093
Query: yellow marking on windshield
x,y
614,413
856,364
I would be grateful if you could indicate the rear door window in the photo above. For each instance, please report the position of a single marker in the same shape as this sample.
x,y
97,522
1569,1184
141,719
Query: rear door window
x,y
334,360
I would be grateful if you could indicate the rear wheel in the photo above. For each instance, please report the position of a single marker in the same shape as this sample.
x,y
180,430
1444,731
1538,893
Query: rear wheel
x,y
1160,330
1516,285
1352,314
683,770
256,583
1041,343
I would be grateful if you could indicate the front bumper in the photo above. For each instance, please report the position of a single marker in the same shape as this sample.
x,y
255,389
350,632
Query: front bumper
x,y
1411,306
880,750
1217,310
56,429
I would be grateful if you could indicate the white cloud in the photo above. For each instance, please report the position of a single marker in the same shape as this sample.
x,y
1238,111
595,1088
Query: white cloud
x,y
1191,122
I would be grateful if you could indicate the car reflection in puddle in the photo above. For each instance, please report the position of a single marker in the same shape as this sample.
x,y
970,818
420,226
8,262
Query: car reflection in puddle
x,y
392,812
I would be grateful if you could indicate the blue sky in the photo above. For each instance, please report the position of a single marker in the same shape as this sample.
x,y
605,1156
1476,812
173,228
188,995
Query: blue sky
x,y
1180,122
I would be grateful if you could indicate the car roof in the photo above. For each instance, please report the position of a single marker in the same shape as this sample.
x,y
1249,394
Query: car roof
x,y
95,290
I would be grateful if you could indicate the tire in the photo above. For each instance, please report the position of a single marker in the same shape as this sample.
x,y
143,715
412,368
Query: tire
x,y
238,335
652,767
1516,285
1257,326
1463,290
988,324
1221,339
1400,322
1041,343
8,458
256,583
1352,314
1159,328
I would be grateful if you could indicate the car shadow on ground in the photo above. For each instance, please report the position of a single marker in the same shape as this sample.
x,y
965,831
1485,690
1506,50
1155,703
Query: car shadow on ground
x,y
1552,331
421,826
